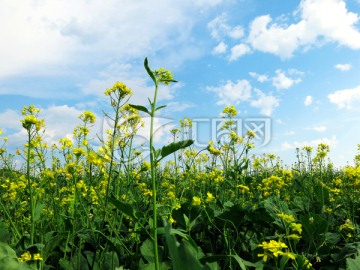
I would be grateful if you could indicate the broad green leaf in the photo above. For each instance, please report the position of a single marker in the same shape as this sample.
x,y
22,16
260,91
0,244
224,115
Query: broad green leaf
x,y
124,208
151,266
183,255
148,70
147,250
53,240
140,108
6,251
37,212
173,147
215,258
9,260
353,264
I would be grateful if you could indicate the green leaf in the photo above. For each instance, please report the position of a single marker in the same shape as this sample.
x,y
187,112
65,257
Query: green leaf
x,y
113,245
151,74
147,250
242,263
140,108
353,264
160,107
9,260
53,240
4,232
151,266
183,255
173,147
125,208
167,80
37,212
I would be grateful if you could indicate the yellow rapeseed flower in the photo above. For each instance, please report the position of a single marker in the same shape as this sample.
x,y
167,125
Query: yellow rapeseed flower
x,y
286,218
210,197
37,257
26,256
196,200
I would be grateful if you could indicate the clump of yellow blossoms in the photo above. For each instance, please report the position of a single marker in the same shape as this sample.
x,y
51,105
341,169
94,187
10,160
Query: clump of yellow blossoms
x,y
119,88
274,249
347,228
26,256
196,201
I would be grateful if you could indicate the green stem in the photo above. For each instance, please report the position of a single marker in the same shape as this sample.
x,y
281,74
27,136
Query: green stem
x,y
113,138
32,228
153,180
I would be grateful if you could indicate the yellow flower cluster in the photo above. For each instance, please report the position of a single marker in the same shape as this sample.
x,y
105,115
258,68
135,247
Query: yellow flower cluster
x,y
119,89
295,228
230,111
196,201
26,256
163,76
274,249
272,184
347,228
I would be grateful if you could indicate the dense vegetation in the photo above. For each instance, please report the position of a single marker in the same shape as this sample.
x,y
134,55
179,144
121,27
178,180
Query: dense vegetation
x,y
69,206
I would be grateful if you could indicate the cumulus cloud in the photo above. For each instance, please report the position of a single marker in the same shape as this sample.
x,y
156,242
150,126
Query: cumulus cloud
x,y
281,81
220,48
259,77
343,67
239,50
266,103
232,93
345,98
308,100
219,29
328,20
43,36
332,142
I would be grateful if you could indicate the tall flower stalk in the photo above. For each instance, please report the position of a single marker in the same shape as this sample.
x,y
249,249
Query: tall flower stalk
x,y
159,76
32,126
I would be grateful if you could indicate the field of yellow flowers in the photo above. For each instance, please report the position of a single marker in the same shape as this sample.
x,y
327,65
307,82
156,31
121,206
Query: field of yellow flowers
x,y
70,206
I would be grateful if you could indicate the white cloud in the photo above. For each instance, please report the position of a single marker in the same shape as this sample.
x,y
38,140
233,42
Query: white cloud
x,y
343,67
326,19
308,100
259,77
281,81
176,106
60,122
232,93
320,128
332,142
239,50
236,32
135,79
220,48
345,98
219,28
10,119
266,103
46,36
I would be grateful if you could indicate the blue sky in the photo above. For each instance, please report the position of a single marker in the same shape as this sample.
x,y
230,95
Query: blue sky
x,y
294,62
